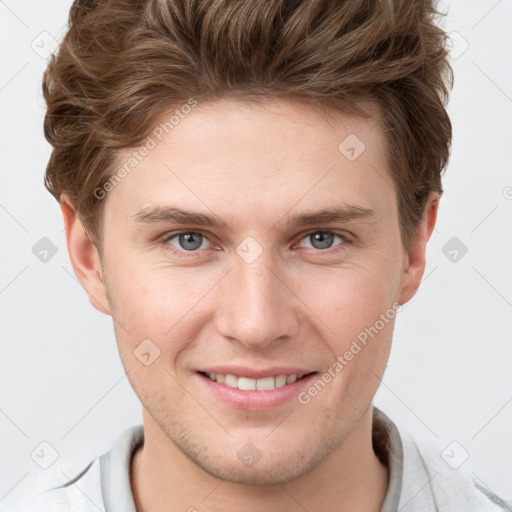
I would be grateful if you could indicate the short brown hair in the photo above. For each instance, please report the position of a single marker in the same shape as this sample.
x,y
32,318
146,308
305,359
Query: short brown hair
x,y
123,63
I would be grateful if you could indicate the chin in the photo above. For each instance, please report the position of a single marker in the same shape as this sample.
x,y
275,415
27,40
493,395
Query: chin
x,y
261,461
270,472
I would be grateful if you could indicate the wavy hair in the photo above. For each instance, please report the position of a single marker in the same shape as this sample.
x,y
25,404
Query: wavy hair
x,y
123,63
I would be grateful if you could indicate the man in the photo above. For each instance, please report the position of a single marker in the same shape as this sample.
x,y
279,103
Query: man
x,y
248,188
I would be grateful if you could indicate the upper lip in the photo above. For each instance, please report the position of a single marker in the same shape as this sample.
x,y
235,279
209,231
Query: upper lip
x,y
254,373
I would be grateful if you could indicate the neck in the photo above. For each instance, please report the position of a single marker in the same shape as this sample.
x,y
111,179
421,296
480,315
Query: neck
x,y
351,478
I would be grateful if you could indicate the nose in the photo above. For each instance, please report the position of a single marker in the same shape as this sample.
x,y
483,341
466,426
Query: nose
x,y
257,306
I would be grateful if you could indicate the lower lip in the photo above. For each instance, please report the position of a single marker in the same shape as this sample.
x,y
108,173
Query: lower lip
x,y
256,400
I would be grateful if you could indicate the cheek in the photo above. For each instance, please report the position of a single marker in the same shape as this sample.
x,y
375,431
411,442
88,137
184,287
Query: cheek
x,y
162,305
356,315
347,300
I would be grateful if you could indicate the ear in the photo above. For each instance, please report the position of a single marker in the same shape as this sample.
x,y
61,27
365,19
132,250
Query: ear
x,y
415,263
84,257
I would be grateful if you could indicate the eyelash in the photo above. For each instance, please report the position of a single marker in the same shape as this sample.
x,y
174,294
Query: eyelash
x,y
191,254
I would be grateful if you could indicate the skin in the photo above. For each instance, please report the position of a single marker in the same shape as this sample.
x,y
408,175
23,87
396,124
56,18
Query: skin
x,y
298,303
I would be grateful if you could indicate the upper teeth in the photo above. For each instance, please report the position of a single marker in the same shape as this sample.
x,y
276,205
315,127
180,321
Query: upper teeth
x,y
247,384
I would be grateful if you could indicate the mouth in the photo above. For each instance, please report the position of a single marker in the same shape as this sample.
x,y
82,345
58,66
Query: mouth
x,y
249,384
255,394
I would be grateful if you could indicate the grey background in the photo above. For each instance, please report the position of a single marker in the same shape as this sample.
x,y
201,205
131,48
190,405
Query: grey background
x,y
450,372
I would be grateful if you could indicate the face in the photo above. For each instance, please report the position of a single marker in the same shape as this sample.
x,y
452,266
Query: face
x,y
257,284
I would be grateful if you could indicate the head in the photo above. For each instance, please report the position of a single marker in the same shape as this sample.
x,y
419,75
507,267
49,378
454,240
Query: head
x,y
253,116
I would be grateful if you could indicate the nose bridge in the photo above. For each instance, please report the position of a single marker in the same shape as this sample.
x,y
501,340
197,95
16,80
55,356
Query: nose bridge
x,y
257,306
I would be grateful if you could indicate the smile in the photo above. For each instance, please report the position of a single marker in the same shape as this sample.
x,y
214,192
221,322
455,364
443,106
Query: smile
x,y
249,384
251,394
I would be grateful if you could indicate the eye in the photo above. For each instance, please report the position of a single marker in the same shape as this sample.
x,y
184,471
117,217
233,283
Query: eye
x,y
192,241
322,240
188,241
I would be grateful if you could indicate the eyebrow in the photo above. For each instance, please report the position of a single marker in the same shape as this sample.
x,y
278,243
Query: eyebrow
x,y
159,214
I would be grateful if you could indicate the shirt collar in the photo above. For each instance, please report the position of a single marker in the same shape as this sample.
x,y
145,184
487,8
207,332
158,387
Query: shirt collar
x,y
115,465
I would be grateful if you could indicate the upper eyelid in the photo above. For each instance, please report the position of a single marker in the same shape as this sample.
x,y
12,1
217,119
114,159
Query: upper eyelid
x,y
172,234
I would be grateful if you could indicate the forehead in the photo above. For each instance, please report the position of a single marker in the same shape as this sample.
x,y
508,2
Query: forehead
x,y
275,129
231,154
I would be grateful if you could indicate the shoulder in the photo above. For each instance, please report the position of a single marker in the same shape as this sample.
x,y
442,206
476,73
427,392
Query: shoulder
x,y
438,476
80,493
102,484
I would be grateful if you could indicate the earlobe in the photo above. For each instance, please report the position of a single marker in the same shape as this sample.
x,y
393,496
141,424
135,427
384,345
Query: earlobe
x,y
415,267
84,257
